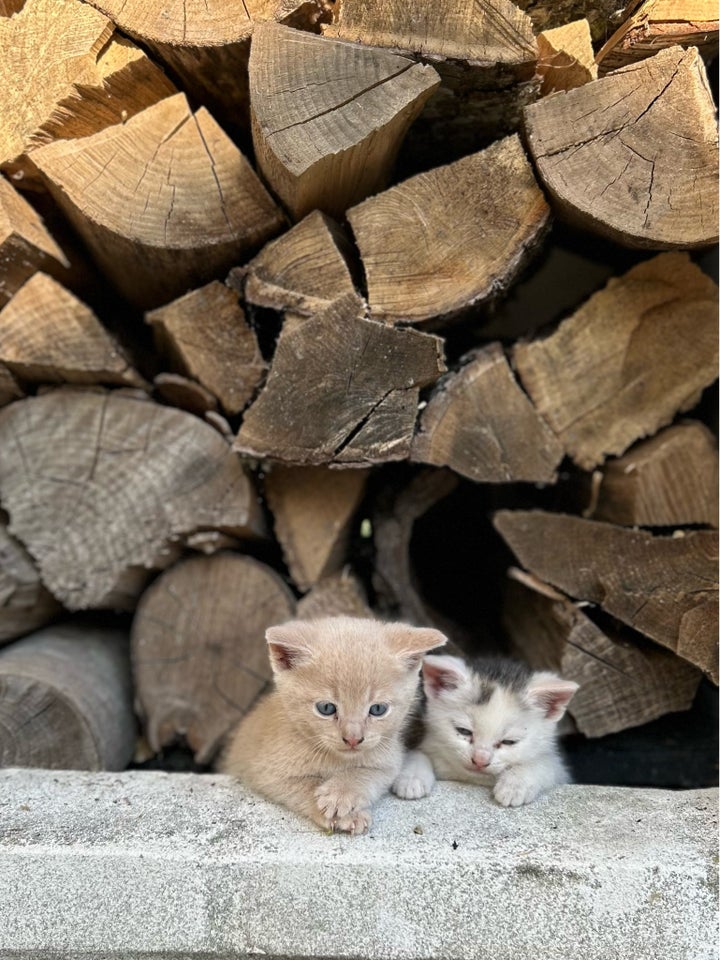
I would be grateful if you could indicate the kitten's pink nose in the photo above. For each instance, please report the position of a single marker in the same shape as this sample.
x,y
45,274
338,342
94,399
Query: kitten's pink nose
x,y
481,758
353,742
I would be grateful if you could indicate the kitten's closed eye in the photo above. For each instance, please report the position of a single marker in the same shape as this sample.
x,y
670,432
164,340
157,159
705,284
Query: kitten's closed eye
x,y
506,743
325,708
463,732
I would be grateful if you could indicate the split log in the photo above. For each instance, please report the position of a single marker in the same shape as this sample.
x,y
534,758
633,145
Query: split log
x,y
186,394
47,335
302,271
313,510
25,604
342,389
25,244
340,595
634,156
565,57
663,587
668,481
205,336
65,700
90,78
651,25
394,581
480,423
623,365
9,387
207,45
199,654
328,117
102,487
164,202
449,240
622,683
547,14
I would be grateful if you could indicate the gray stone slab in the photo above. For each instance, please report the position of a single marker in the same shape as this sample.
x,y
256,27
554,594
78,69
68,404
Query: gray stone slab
x,y
139,865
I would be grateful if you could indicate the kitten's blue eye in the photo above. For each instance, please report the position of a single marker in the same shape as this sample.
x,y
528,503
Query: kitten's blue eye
x,y
463,732
508,743
325,708
378,709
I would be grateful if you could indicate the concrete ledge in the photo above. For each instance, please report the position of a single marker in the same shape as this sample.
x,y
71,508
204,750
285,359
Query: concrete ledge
x,y
139,865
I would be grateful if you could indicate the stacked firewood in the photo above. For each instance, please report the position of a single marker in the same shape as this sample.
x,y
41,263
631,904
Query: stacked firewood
x,y
254,270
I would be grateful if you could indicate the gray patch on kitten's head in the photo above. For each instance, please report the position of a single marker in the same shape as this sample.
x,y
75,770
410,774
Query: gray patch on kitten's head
x,y
510,674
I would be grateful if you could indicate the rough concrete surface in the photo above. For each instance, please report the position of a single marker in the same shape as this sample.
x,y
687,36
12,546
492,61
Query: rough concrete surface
x,y
139,865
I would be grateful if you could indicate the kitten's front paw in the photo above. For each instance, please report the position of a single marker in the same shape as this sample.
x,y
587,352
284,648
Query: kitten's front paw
x,y
357,822
513,790
335,804
408,786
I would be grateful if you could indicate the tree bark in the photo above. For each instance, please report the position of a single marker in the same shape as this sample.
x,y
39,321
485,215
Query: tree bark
x,y
65,700
199,654
164,202
634,156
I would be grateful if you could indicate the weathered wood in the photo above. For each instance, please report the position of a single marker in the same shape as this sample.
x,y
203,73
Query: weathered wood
x,y
634,156
164,202
199,654
304,270
25,604
342,389
207,44
186,394
565,57
313,510
205,336
68,75
25,244
662,586
623,365
340,595
65,700
479,422
328,117
47,335
9,387
623,683
547,14
667,481
447,241
651,25
102,487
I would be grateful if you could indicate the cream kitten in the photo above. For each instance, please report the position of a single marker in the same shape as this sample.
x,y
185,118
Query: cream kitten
x,y
327,741
494,724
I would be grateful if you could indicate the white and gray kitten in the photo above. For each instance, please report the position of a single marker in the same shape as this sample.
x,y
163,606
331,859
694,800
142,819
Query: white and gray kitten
x,y
493,723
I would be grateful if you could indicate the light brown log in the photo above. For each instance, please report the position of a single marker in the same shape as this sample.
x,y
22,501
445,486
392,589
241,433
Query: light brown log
x,y
9,387
328,117
667,481
164,202
446,241
623,682
342,389
186,394
340,595
634,156
199,654
25,244
479,422
565,57
548,14
313,510
205,336
102,488
66,701
25,604
665,587
633,356
206,43
651,25
67,75
304,270
47,335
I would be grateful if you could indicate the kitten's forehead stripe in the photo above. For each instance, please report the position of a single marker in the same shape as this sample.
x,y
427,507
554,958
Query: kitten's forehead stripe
x,y
511,674
484,692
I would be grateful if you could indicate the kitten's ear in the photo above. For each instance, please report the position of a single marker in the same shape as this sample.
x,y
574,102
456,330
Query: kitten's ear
x,y
443,673
287,646
551,693
411,643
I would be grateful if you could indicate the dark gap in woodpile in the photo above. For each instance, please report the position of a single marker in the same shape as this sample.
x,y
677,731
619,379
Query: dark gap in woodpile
x,y
332,307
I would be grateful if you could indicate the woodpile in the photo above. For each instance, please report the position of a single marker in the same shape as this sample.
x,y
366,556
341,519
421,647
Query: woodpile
x,y
259,264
